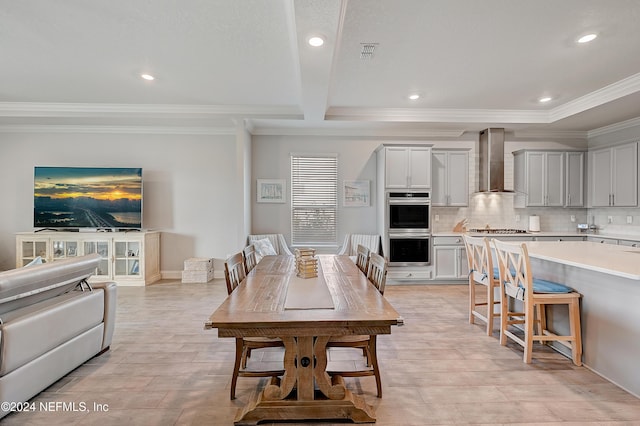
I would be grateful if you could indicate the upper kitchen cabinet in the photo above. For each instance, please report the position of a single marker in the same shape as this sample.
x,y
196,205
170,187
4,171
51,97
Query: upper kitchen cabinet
x,y
548,178
539,178
614,176
450,178
574,179
407,167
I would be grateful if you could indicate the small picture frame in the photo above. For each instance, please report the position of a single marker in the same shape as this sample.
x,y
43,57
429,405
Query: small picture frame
x,y
271,191
356,193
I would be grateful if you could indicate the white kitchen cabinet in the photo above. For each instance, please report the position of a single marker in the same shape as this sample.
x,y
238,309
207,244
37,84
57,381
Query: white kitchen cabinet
x,y
614,176
128,258
407,167
450,258
559,238
450,178
574,179
539,178
628,243
409,274
602,240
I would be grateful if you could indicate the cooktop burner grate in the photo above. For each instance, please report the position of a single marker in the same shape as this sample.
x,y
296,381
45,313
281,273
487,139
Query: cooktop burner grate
x,y
497,231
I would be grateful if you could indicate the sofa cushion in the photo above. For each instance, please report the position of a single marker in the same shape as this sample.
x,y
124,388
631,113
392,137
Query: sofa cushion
x,y
29,332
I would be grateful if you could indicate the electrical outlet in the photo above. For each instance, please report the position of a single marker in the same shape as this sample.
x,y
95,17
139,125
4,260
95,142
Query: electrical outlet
x,y
573,218
517,218
609,219
629,219
437,218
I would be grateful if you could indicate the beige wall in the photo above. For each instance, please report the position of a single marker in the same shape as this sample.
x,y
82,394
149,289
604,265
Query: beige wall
x,y
189,191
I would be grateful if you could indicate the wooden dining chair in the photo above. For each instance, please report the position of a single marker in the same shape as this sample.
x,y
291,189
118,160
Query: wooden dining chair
x,y
377,271
234,273
523,301
482,272
249,256
362,258
376,274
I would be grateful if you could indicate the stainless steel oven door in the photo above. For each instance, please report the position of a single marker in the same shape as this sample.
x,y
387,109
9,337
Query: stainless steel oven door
x,y
410,249
408,215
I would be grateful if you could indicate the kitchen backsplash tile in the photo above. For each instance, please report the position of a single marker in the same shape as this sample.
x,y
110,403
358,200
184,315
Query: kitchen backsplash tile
x,y
497,211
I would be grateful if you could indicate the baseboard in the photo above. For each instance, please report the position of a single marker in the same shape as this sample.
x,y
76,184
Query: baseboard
x,y
177,275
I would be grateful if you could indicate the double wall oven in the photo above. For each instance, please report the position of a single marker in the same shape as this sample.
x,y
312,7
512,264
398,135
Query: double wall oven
x,y
409,228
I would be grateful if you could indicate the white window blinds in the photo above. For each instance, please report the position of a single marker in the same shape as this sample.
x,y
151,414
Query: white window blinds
x,y
314,199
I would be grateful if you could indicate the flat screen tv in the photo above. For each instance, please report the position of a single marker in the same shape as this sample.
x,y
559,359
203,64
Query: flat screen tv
x,y
87,197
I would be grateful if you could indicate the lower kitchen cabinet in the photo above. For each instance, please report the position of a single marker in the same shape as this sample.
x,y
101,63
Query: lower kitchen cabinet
x,y
602,240
409,274
450,258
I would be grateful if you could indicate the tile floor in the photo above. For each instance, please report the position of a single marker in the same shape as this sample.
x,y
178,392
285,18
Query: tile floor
x,y
164,369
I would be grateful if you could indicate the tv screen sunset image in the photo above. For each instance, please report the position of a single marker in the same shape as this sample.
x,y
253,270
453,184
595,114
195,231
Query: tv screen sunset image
x,y
87,197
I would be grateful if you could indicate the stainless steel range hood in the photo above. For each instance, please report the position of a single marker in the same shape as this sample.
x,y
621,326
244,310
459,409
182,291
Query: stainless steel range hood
x,y
491,151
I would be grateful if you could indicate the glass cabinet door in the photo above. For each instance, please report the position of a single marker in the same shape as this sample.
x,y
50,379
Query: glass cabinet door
x,y
127,260
64,249
33,249
102,248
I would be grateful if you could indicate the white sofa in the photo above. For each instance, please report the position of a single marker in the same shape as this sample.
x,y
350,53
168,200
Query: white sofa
x,y
51,321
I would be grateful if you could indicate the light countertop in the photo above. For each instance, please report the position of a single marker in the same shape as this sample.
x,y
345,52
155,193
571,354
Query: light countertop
x,y
525,234
622,261
541,234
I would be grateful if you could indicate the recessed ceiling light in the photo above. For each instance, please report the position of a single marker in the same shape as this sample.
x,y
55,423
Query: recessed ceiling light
x,y
316,41
544,99
147,77
587,38
414,96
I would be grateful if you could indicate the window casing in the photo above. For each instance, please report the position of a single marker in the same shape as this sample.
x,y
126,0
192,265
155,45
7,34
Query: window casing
x,y
314,199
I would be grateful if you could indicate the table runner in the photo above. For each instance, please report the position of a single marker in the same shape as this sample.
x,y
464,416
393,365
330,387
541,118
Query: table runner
x,y
308,293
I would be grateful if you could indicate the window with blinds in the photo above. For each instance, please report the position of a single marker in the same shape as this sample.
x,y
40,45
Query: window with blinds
x,y
314,199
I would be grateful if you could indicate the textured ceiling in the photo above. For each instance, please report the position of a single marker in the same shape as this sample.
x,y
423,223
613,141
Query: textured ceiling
x,y
220,63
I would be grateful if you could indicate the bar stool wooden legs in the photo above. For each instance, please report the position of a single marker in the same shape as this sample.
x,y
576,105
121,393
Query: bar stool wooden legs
x,y
523,298
481,271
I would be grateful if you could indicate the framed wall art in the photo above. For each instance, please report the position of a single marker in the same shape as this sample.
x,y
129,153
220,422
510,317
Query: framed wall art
x,y
271,190
356,193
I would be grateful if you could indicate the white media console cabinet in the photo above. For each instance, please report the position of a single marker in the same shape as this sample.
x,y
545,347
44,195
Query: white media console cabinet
x,y
128,258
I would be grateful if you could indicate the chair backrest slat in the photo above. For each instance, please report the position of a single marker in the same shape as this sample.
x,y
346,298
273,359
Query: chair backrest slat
x,y
479,258
234,271
377,271
515,269
362,258
250,260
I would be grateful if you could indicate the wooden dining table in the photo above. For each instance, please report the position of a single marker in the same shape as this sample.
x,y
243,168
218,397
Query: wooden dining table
x,y
268,303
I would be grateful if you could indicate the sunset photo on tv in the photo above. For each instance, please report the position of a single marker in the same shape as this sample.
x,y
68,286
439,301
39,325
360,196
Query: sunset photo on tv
x,y
87,197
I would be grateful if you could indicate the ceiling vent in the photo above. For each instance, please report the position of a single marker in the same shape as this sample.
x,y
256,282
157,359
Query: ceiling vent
x,y
367,49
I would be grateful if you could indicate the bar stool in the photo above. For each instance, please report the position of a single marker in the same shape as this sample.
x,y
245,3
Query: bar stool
x,y
481,271
518,288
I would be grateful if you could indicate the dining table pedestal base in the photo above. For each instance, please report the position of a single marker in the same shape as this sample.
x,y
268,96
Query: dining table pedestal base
x,y
306,391
351,407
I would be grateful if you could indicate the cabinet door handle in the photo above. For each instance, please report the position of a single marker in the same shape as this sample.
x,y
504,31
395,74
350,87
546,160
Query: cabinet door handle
x,y
613,199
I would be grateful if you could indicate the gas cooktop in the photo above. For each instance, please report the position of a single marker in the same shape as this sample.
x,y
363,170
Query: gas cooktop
x,y
497,231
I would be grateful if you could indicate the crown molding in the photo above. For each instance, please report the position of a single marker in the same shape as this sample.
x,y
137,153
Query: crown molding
x,y
360,131
47,109
437,115
161,130
550,134
634,122
619,89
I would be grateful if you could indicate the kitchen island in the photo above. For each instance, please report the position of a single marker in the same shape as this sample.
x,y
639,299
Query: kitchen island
x,y
608,277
